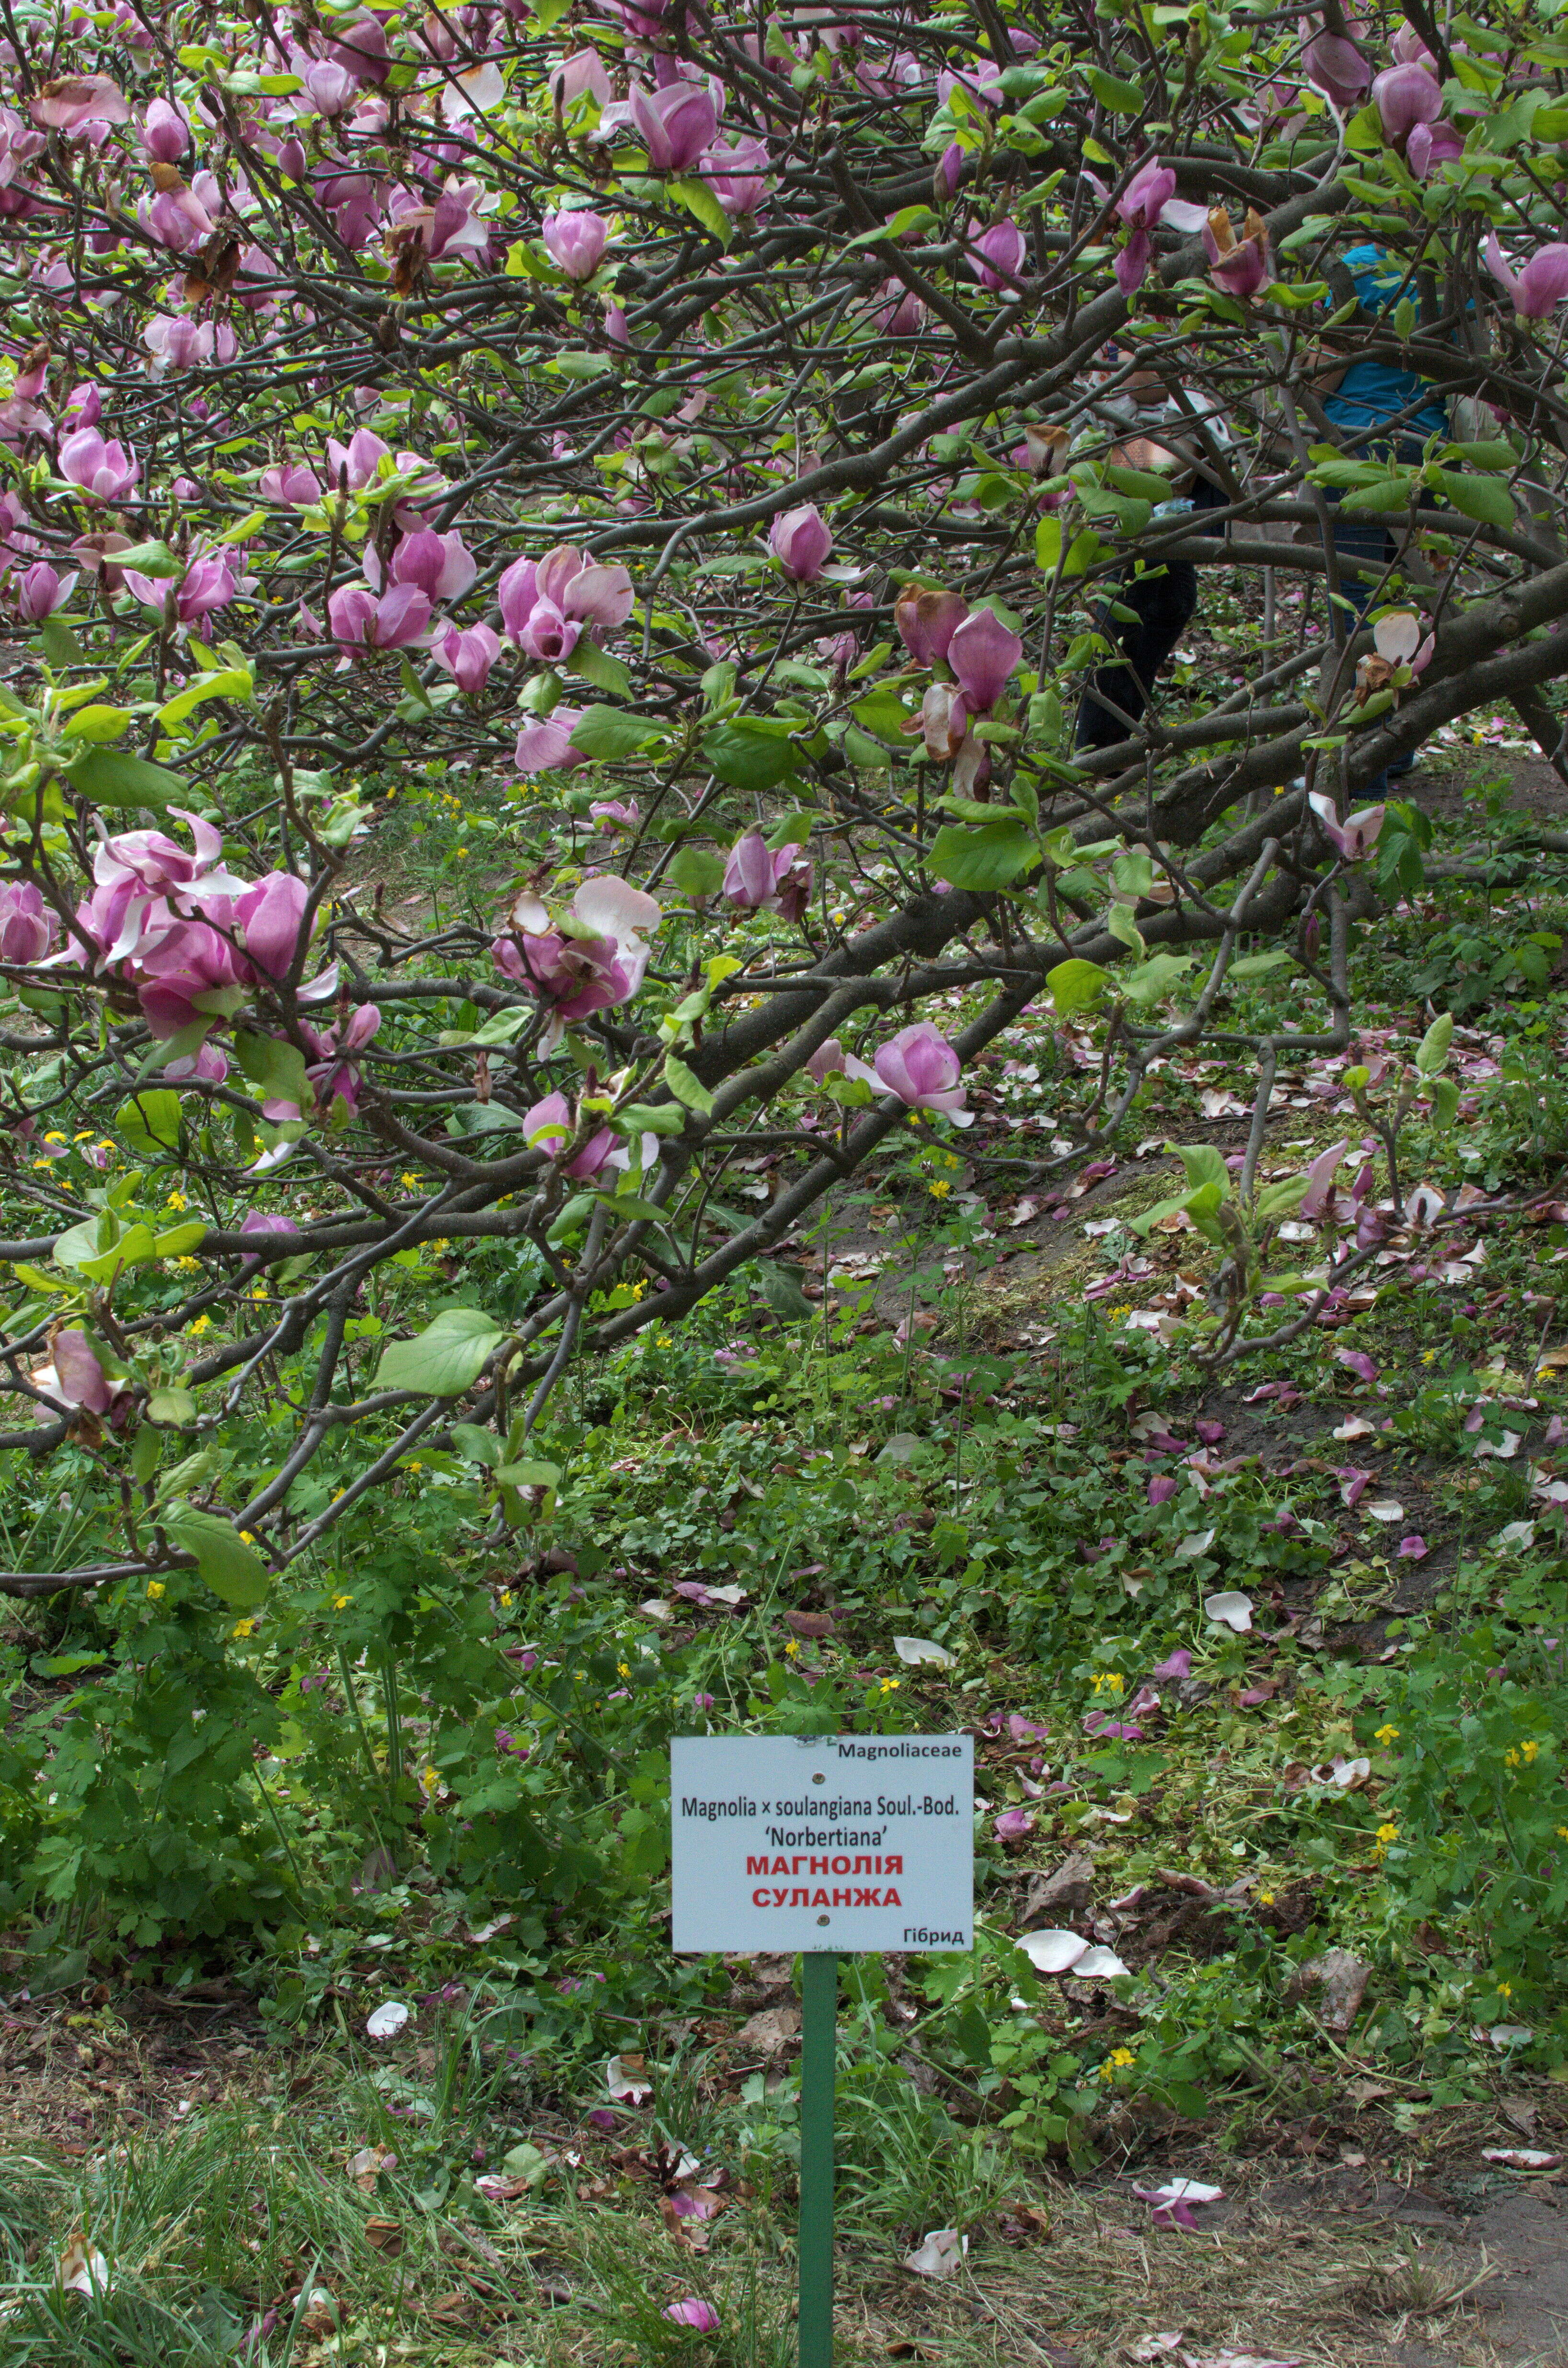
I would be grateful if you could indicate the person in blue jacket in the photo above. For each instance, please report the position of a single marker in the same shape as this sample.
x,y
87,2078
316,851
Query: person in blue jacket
x,y
1383,413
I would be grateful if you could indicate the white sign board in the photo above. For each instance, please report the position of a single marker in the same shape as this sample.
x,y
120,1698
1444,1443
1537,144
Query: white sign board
x,y
838,1843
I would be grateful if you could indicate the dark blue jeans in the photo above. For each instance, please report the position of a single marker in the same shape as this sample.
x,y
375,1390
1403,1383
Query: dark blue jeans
x,y
1163,604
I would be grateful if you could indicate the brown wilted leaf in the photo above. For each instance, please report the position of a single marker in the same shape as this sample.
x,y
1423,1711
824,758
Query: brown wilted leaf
x,y
811,1624
386,2236
771,2030
1342,1980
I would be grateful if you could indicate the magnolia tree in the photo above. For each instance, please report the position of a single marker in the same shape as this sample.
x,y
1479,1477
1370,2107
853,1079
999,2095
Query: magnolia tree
x,y
753,431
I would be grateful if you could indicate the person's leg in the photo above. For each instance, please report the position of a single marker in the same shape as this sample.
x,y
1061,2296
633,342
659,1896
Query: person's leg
x,y
1163,605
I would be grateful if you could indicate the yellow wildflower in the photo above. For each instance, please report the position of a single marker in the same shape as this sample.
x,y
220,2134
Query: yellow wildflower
x,y
243,1628
155,1588
1386,1735
340,1602
175,1201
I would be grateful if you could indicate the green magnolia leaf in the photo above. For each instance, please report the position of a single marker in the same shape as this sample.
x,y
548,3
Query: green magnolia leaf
x,y
697,872
149,1121
237,1576
628,1207
700,202
179,1239
782,1289
110,777
229,682
98,724
1154,979
445,1359
651,1118
1489,458
136,1247
687,1086
154,559
1432,1054
985,858
610,731
1119,97
597,667
1445,1103
479,1446
1481,499
1204,1165
748,757
1073,985
176,1408
1279,1200
60,646
277,1070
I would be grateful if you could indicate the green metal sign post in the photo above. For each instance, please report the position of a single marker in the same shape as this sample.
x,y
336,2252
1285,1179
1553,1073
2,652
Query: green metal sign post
x,y
819,2049
821,1847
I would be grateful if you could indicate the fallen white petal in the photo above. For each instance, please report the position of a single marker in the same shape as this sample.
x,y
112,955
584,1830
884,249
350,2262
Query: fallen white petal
x,y
1052,1952
83,2270
1521,2157
1098,1965
1356,1426
1187,2191
919,1649
1384,1509
627,2088
387,2021
1229,1610
1191,1547
939,2255
1517,1537
1505,2035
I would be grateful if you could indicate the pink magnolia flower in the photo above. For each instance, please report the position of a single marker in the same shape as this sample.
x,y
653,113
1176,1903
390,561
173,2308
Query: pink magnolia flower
x,y
551,1122
748,874
983,652
41,591
187,965
615,813
335,1074
207,585
442,565
1321,1175
1540,287
467,656
568,587
1406,95
545,744
269,918
291,482
393,622
1429,145
263,1221
693,2312
77,1379
358,462
361,50
593,959
1357,833
165,132
104,472
1148,200
827,1061
575,242
83,407
801,540
330,87
583,72
926,621
1241,266
737,175
1337,68
898,312
675,125
1002,249
1409,49
28,927
547,635
72,100
921,1067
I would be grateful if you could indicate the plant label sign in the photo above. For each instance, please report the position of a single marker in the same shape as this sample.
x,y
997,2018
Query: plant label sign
x,y
821,1843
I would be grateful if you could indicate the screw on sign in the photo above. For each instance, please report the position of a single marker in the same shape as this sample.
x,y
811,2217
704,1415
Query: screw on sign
x,y
828,1845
